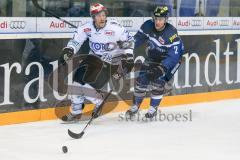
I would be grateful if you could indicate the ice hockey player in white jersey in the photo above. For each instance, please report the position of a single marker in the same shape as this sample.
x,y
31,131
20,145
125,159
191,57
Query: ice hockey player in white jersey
x,y
109,43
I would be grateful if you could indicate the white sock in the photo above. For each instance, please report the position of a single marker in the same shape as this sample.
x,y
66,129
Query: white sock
x,y
134,108
152,109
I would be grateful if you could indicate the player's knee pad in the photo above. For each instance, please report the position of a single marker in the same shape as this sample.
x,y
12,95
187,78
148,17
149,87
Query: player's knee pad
x,y
77,104
77,99
76,108
157,92
158,88
140,91
96,99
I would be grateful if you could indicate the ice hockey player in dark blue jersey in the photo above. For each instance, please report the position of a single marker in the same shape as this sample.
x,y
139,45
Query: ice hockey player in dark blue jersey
x,y
164,51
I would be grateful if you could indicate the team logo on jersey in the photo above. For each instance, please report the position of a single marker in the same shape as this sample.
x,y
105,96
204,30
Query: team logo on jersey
x,y
95,46
86,29
109,33
173,37
161,40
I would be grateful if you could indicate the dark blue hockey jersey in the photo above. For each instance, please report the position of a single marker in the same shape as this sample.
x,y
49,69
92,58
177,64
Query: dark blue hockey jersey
x,y
164,47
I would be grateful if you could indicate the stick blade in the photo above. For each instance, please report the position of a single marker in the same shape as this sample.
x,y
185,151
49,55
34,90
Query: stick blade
x,y
75,135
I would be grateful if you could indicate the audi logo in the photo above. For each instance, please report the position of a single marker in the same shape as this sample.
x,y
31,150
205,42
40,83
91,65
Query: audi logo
x,y
196,23
76,23
224,22
17,24
126,23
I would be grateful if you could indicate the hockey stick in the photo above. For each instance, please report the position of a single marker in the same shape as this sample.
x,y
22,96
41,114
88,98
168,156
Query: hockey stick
x,y
79,135
35,3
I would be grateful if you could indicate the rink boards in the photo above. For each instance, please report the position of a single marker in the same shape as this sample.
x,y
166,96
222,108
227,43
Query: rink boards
x,y
120,106
210,69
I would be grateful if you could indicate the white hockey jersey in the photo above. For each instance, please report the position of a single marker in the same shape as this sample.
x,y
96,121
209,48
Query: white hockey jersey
x,y
102,42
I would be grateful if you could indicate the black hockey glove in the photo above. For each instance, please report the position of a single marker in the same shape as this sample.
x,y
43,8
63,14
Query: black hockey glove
x,y
67,53
156,71
124,44
125,67
128,63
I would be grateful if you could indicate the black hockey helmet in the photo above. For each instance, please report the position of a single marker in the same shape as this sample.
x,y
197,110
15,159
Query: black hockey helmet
x,y
161,11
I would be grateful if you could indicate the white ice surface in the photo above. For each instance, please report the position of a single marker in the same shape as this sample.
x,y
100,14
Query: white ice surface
x,y
213,134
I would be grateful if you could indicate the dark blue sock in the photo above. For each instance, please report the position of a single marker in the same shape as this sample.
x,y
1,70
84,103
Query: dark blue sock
x,y
155,102
138,100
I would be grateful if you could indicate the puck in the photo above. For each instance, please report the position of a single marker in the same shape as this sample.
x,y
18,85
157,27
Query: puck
x,y
64,149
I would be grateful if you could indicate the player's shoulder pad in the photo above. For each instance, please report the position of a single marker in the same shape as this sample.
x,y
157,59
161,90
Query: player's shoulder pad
x,y
86,27
147,26
115,26
114,22
171,33
86,24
